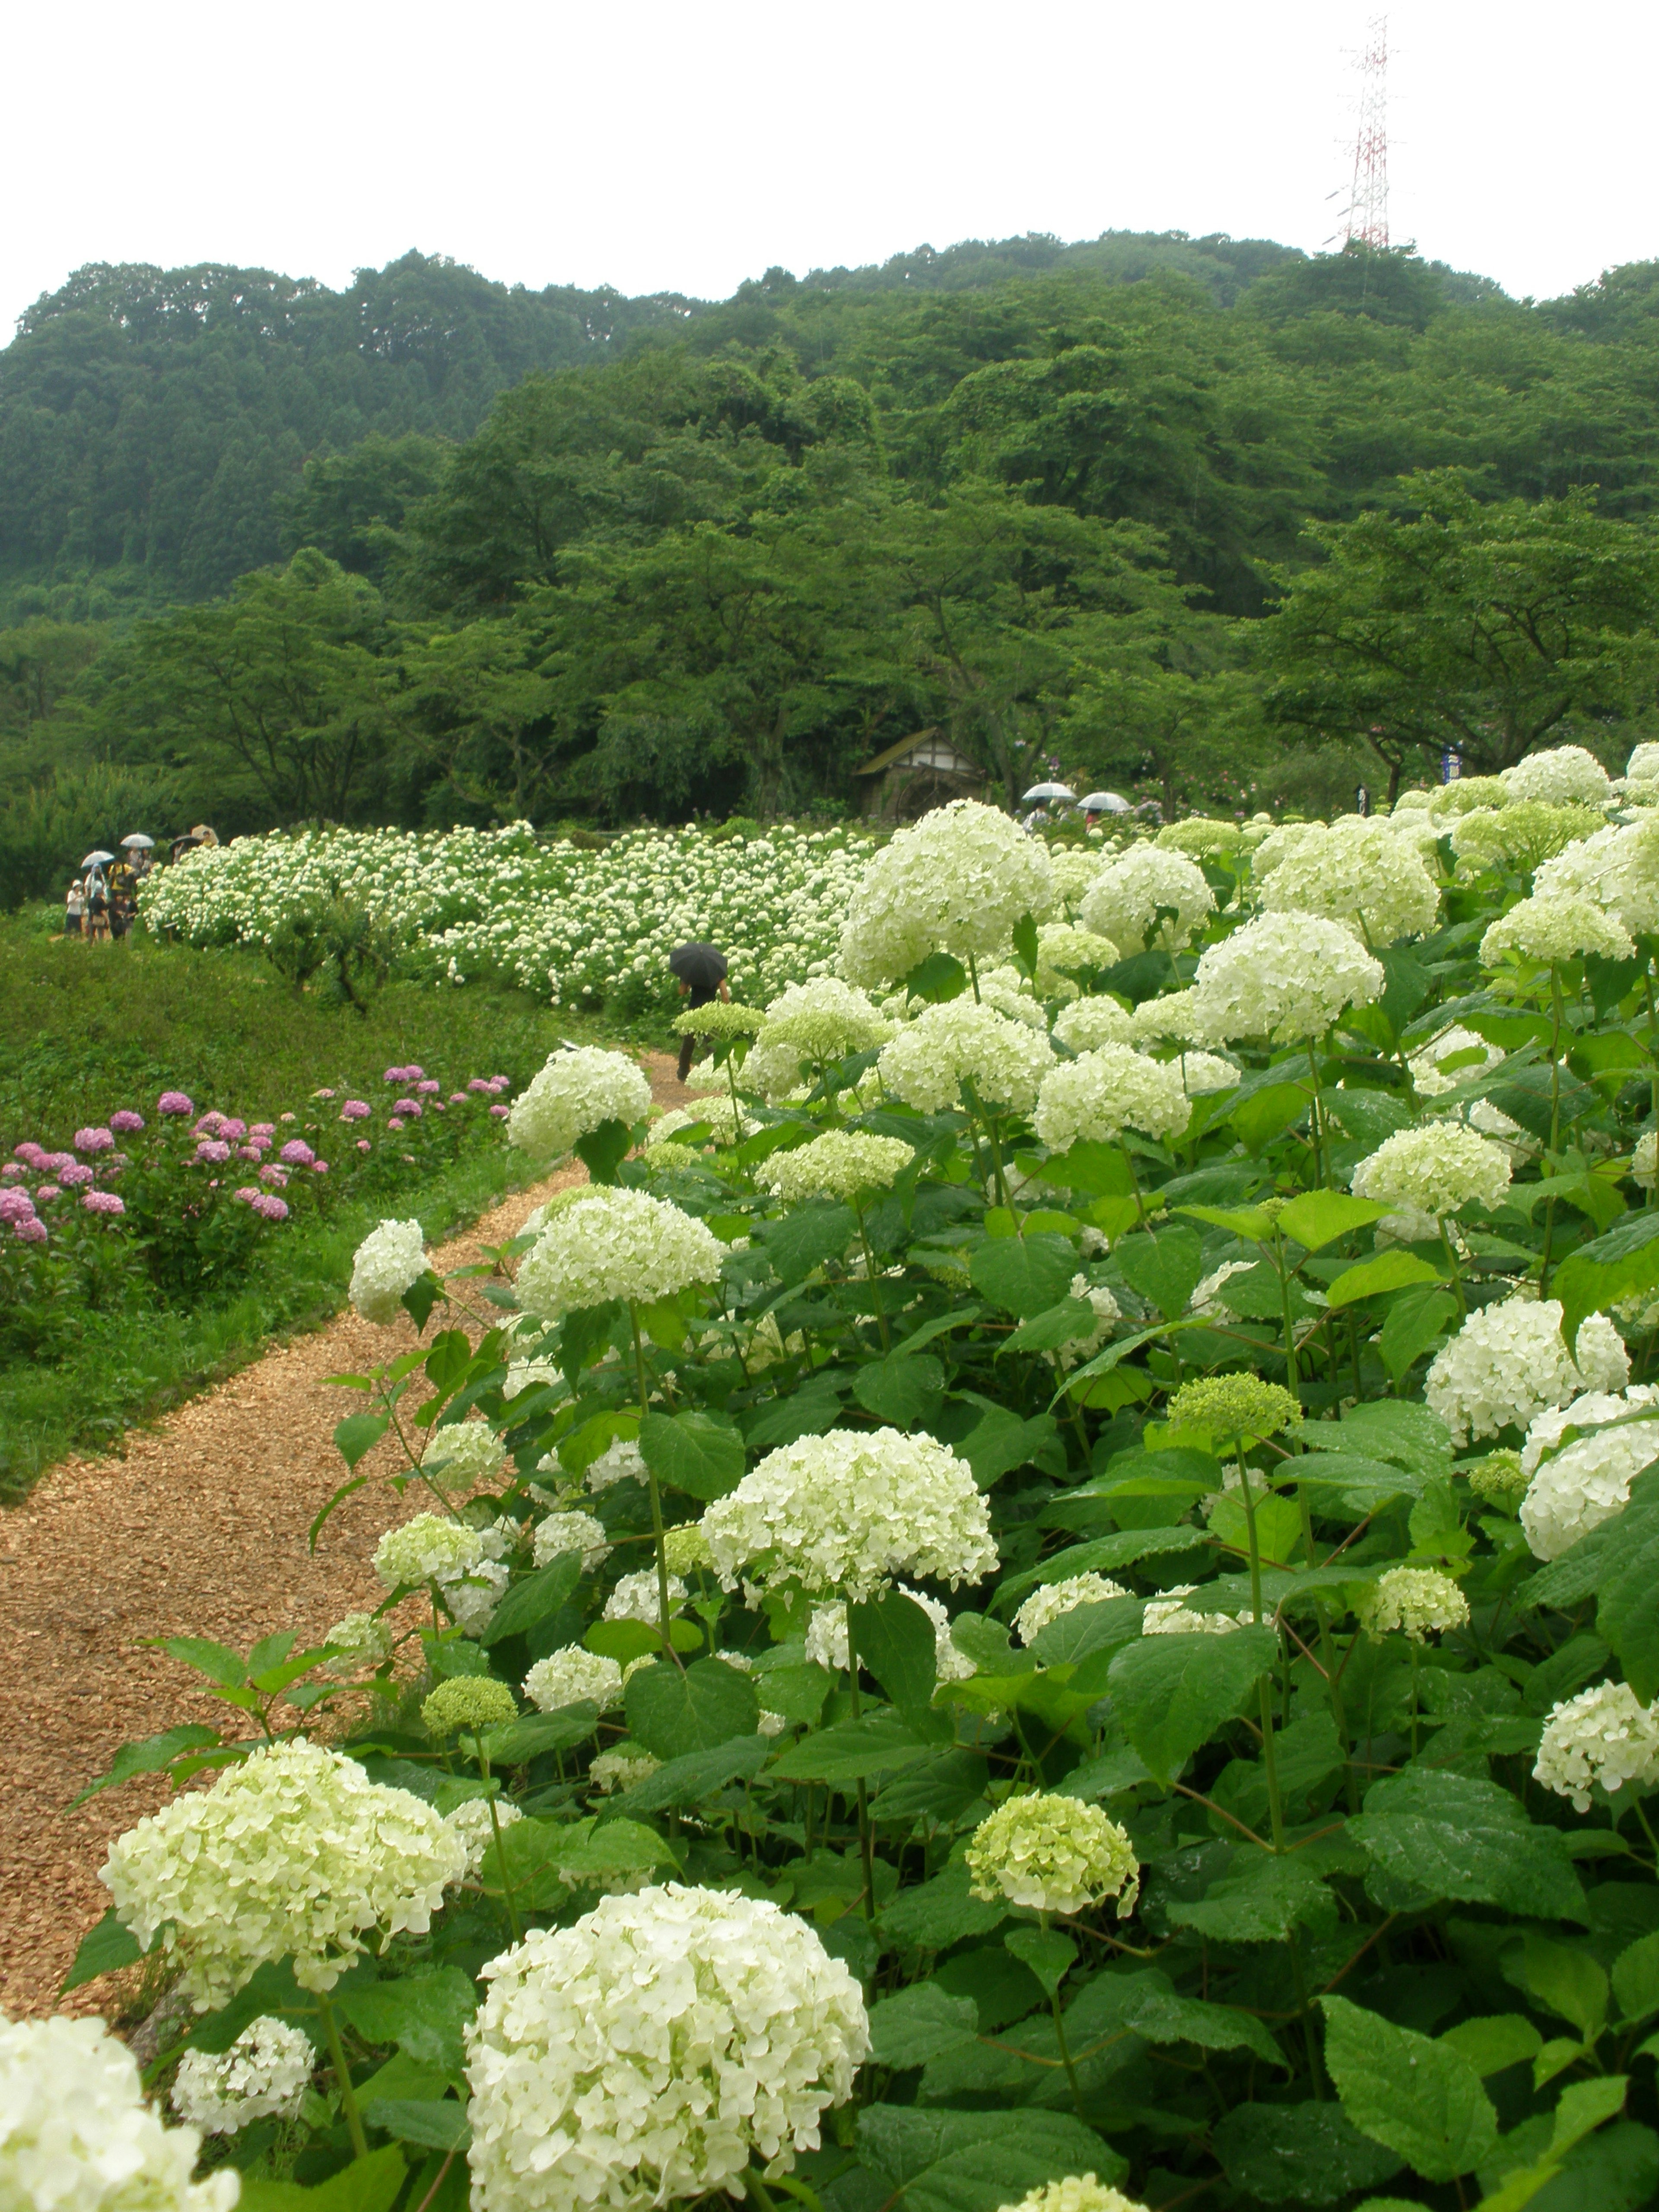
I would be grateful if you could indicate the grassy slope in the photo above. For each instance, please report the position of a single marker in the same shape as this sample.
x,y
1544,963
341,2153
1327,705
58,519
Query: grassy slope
x,y
84,1029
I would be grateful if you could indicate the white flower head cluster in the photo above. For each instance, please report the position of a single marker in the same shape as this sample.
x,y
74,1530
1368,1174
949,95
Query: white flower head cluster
x,y
822,1020
361,1645
1549,930
1009,993
1204,1072
638,1597
1361,872
1063,950
1107,1311
1168,1616
574,1677
1176,1018
1073,871
1052,1599
1201,834
1053,1854
1644,1160
1471,1054
958,881
620,1462
1077,2193
262,2075
430,1548
827,1644
1522,837
295,1850
466,1453
614,1243
1566,776
621,1767
1574,1488
726,1124
1285,976
1604,1735
850,1512
582,1533
644,2055
842,1163
1417,1601
575,1092
470,1821
1435,1169
387,1261
928,1062
1122,904
1618,868
1288,837
1508,1363
77,2134
1088,1024
1104,1092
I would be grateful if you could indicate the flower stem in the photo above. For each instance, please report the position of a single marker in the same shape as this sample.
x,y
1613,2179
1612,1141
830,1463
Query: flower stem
x,y
354,2118
500,1854
866,1836
656,1495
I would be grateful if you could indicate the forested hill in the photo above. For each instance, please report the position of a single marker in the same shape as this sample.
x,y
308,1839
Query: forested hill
x,y
153,422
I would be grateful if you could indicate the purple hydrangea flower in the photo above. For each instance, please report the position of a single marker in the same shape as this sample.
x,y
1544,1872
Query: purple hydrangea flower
x,y
407,1108
31,1154
212,1151
262,1132
12,1171
249,1153
296,1153
355,1110
231,1128
500,1112
126,1122
103,1202
478,1083
75,1176
58,1160
363,1145
270,1208
16,1205
276,1177
458,1098
319,1167
394,1123
94,1140
248,1192
32,1230
173,1102
46,1193
427,1083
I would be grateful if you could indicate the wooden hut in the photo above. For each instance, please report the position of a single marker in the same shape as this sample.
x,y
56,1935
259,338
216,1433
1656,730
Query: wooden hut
x,y
919,773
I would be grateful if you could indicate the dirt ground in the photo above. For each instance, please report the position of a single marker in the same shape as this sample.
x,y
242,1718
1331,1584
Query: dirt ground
x,y
198,1530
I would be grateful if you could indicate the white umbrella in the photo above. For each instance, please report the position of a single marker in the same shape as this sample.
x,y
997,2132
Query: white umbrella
x,y
97,860
137,840
1040,794
1104,802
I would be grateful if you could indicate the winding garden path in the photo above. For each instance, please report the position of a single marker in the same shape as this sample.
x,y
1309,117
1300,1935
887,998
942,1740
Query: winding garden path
x,y
198,1530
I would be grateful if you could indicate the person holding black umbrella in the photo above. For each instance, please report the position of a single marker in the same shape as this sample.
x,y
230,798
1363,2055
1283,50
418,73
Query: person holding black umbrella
x,y
701,970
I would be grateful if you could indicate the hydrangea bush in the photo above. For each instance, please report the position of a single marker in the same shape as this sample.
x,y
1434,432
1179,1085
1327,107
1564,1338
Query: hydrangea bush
x,y
1055,1606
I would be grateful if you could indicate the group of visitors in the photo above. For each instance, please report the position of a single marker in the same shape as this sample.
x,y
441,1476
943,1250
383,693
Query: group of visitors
x,y
101,903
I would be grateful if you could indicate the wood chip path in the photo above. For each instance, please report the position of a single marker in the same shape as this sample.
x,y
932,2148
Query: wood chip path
x,y
199,1530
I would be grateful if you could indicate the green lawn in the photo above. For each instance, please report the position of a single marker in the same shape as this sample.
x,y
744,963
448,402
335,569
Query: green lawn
x,y
87,1028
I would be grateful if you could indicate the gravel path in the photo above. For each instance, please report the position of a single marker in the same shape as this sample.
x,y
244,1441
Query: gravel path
x,y
200,1530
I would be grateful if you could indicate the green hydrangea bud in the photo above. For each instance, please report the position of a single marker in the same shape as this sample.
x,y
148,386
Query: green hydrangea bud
x,y
475,1702
1499,1478
1233,1405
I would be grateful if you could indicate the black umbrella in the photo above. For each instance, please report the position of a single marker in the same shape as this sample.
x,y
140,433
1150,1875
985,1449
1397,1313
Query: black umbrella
x,y
702,967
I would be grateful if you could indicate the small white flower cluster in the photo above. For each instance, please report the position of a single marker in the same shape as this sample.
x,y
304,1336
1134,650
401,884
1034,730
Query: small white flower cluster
x,y
467,1455
1088,1024
827,1644
1435,1169
1416,1601
582,1533
459,1560
78,2136
1104,1092
647,2054
1604,1735
576,1090
1574,1488
262,2075
820,1021
621,1767
361,1645
1564,775
1473,1055
1508,1363
295,1850
1063,951
958,881
850,1512
1284,976
574,1677
1077,2193
470,1821
1644,1160
1052,1600
1168,1616
389,1259
842,1163
963,1043
639,1597
1123,901
1563,926
1361,872
1618,868
1053,1854
621,1461
1519,838
614,1243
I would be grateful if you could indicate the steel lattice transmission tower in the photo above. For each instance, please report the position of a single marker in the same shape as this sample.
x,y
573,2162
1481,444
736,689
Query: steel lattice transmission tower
x,y
1368,202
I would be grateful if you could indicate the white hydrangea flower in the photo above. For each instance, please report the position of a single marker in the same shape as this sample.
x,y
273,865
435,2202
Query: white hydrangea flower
x,y
389,1259
1104,1092
1123,901
523,1375
1414,1600
1644,1160
727,1123
469,1820
1053,1854
1201,834
472,1597
843,1163
1204,1072
571,1532
1175,1019
1206,1295
77,2134
1168,1616
1563,775
1435,1169
827,1644
1087,1023
821,1021
295,1850
1643,766
1049,1601
1073,871
580,1088
1007,991
361,1644
262,2075
467,1454
621,1461
1077,2193
928,1063
1360,873
1427,1066
826,1635
646,2055
621,1767
958,881
616,1244
851,1512
1618,868
574,1677
1561,928
1106,1312
430,1548
1507,1364
1062,949
1285,976
1574,1488
1600,1354
1605,1736
637,1597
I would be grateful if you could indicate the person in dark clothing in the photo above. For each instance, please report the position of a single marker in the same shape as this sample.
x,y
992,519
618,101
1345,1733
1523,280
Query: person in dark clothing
x,y
701,970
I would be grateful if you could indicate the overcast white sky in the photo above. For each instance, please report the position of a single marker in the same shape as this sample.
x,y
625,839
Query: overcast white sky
x,y
684,148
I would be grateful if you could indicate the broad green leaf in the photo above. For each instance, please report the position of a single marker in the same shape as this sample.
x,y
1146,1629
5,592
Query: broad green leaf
x,y
895,1642
1568,1982
941,977
533,1599
853,1751
154,1753
804,1240
1099,1169
1419,2098
1262,1115
1254,1222
605,1851
1320,1216
807,1412
1003,1441
424,2013
1107,1776
1102,1555
1262,1898
1156,2012
1415,1320
216,1660
1394,1270
697,1775
601,1151
1624,1263
1308,2154
671,1710
905,1389
1024,1275
367,2185
1636,1978
1370,1116
104,1950
1627,1615
699,1453
359,1433
1164,1267
1173,1692
1071,1319
432,2124
919,2023
1495,2041
1049,1954
940,1787
1433,1834
938,1913
537,1734
949,2161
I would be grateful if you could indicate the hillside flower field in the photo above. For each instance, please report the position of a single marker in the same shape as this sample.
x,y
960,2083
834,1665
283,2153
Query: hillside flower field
x,y
1048,1599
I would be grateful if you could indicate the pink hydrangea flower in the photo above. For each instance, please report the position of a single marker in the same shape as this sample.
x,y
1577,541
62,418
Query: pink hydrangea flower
x,y
16,1205
363,1145
319,1167
231,1128
247,1194
296,1153
94,1140
126,1122
173,1102
437,1106
47,1193
407,1108
212,1124
58,1160
500,1112
112,1163
286,1117
212,1151
31,1230
249,1153
322,1094
276,1177
262,1132
410,1074
268,1208
458,1098
478,1083
75,1176
12,1171
32,1154
103,1202
427,1083
356,1109
394,1123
